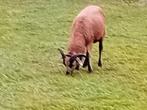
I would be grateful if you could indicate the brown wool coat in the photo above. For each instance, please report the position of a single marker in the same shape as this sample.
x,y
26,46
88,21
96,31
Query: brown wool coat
x,y
88,27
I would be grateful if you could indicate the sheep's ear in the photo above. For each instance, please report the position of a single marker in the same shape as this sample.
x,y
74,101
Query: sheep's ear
x,y
62,53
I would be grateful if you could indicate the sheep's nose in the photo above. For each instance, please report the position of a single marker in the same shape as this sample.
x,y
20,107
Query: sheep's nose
x,y
67,72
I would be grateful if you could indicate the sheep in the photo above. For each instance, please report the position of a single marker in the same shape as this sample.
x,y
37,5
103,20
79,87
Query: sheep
x,y
88,27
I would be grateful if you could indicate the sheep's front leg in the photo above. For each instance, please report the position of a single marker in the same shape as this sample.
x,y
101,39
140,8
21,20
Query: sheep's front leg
x,y
100,52
89,62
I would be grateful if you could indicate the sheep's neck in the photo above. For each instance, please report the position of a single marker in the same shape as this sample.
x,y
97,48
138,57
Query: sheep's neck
x,y
77,44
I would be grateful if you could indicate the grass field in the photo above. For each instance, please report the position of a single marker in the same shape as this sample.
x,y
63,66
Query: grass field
x,y
32,76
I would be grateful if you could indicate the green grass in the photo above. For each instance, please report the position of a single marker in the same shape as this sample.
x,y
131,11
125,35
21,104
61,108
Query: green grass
x,y
32,76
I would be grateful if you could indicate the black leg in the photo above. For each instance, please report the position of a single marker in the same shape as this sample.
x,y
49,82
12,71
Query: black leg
x,y
86,61
100,52
78,67
89,63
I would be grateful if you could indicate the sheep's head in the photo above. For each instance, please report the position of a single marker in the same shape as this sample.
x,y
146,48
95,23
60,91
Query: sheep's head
x,y
72,62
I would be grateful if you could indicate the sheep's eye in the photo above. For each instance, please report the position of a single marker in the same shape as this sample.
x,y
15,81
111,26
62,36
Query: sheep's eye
x,y
72,64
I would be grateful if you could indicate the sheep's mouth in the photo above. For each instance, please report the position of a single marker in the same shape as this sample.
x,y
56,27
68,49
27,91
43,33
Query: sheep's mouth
x,y
67,72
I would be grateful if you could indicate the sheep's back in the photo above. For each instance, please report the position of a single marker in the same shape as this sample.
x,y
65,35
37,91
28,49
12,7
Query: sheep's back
x,y
92,19
87,27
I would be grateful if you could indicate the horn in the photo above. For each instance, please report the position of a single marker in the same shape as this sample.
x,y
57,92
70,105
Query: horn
x,y
81,55
62,53
80,61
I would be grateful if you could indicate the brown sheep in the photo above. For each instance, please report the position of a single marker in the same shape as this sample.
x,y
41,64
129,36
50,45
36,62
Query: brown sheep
x,y
88,27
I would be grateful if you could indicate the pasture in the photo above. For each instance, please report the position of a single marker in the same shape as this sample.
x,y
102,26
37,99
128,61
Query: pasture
x,y
32,76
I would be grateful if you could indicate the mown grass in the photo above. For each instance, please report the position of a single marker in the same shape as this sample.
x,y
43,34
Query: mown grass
x,y
32,76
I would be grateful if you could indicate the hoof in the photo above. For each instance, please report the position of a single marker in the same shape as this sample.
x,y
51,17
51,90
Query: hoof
x,y
100,64
90,70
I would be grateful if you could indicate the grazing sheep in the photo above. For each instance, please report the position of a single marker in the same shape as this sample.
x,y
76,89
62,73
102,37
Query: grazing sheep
x,y
87,28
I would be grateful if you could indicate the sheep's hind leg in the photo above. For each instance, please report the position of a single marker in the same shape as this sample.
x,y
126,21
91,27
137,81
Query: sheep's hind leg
x,y
100,52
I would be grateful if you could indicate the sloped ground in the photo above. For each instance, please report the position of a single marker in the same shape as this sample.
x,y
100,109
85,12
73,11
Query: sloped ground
x,y
32,76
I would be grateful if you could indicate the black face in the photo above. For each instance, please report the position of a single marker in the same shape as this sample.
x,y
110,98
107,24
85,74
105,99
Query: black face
x,y
71,61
